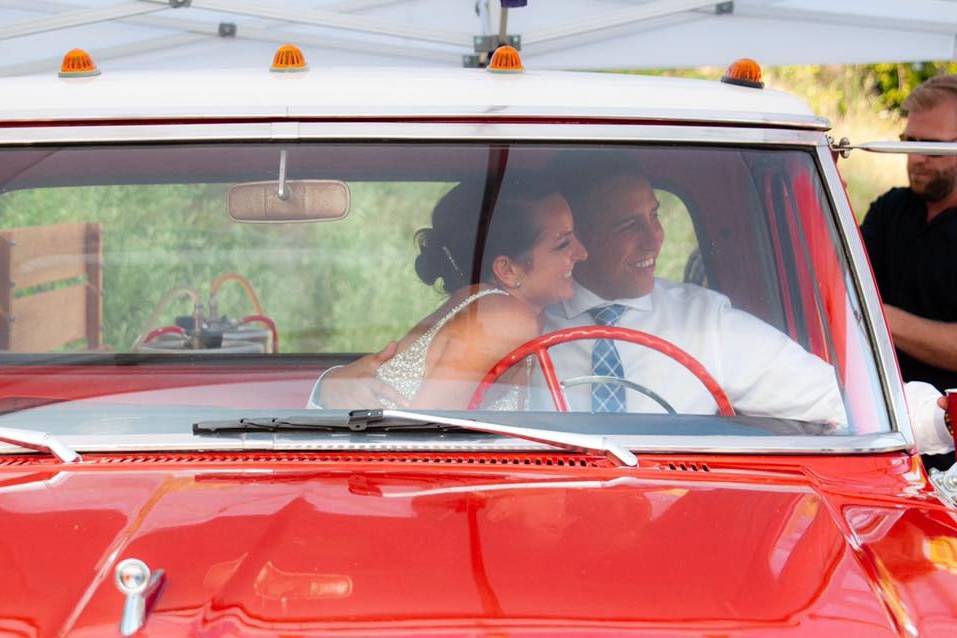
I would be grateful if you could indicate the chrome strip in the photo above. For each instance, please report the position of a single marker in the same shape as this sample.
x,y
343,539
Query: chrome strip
x,y
630,481
547,132
701,481
870,300
462,443
47,484
370,113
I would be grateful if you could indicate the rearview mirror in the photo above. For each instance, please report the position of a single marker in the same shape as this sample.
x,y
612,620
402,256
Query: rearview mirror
x,y
310,200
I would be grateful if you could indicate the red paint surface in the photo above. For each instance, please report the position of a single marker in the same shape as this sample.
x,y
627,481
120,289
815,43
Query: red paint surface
x,y
222,385
377,545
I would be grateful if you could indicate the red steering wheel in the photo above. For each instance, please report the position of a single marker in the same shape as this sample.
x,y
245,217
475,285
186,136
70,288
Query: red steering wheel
x,y
540,346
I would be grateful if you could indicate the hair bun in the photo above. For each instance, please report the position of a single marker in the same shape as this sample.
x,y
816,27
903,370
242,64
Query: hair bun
x,y
436,261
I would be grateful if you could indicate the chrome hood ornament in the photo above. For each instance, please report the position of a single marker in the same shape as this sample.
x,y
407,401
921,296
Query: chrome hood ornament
x,y
140,586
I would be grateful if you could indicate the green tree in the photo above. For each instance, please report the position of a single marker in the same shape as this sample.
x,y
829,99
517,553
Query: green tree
x,y
893,82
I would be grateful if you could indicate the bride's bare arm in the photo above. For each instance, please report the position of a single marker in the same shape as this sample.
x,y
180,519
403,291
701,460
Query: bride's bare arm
x,y
355,385
468,346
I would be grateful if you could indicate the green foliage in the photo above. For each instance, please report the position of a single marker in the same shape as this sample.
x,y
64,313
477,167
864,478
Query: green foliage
x,y
321,282
894,82
680,239
851,90
838,90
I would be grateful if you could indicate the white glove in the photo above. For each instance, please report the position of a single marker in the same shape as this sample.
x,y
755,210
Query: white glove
x,y
927,419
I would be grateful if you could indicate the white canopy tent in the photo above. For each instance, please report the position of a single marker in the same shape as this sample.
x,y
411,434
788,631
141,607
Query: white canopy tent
x,y
566,34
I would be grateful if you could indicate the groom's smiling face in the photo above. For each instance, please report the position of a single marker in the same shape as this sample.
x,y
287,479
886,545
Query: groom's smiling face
x,y
623,236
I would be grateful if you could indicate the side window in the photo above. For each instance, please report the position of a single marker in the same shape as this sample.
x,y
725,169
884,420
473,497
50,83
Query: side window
x,y
680,258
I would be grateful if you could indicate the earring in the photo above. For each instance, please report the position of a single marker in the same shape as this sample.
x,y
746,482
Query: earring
x,y
518,284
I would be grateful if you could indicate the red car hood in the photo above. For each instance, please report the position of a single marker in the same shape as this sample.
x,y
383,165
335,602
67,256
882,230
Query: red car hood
x,y
384,546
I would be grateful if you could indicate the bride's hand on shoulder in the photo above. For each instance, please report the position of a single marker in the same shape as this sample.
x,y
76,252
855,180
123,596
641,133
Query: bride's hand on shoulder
x,y
469,346
356,386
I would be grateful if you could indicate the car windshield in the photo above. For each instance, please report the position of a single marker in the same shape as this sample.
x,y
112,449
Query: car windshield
x,y
147,287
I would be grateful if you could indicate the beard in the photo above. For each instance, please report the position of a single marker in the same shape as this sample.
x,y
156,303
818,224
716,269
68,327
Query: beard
x,y
937,188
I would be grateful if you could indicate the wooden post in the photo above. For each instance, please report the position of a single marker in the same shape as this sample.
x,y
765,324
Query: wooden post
x,y
6,290
94,286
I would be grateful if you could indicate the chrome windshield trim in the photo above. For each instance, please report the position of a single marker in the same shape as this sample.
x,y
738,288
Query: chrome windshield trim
x,y
459,131
491,112
462,443
790,445
873,312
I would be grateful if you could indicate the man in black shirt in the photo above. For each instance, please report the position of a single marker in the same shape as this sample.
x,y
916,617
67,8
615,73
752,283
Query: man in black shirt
x,y
911,239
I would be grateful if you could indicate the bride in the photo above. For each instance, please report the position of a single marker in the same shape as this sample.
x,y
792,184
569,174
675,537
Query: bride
x,y
529,253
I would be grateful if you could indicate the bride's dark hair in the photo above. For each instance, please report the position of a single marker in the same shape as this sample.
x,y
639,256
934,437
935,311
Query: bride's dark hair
x,y
447,249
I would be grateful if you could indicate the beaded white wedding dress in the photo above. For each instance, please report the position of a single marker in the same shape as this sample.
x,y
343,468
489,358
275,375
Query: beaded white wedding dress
x,y
406,370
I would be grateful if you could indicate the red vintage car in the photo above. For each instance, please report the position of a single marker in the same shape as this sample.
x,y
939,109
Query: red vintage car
x,y
195,268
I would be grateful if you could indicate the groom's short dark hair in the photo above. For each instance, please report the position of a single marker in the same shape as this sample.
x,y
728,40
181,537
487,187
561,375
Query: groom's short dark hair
x,y
577,173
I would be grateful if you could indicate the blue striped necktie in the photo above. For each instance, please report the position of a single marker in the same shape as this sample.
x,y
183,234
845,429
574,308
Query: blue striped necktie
x,y
605,361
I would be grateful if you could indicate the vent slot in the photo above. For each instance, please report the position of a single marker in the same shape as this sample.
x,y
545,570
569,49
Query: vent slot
x,y
16,461
687,467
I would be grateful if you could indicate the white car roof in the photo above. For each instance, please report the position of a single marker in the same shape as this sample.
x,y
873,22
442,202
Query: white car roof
x,y
359,93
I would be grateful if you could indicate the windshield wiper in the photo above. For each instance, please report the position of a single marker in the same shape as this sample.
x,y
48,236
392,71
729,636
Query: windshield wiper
x,y
41,441
401,420
354,421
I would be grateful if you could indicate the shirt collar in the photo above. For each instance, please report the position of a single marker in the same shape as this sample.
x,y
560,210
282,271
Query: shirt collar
x,y
919,209
584,300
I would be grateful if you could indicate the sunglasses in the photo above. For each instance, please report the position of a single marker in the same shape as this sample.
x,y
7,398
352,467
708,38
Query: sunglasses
x,y
907,138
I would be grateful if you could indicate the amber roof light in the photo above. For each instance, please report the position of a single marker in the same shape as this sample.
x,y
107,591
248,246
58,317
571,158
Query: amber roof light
x,y
77,63
506,60
744,72
288,59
